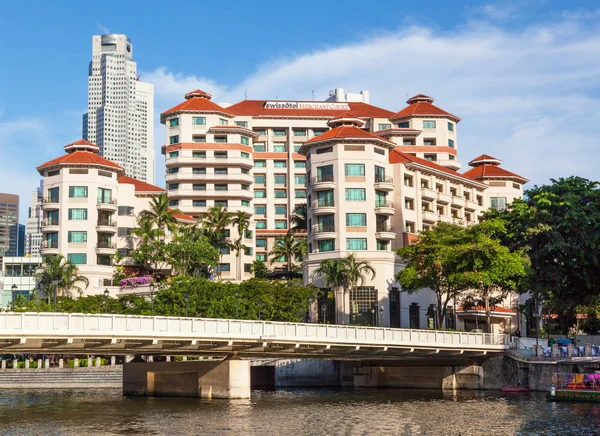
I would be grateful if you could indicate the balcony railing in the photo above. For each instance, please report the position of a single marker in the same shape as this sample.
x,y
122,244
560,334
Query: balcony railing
x,y
323,178
384,228
107,223
49,244
383,179
48,222
384,204
106,244
324,228
107,201
323,203
50,200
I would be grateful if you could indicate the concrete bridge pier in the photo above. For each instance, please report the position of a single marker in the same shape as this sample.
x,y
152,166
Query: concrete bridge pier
x,y
229,378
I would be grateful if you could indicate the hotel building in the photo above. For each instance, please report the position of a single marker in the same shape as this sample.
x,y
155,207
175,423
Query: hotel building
x,y
341,157
9,225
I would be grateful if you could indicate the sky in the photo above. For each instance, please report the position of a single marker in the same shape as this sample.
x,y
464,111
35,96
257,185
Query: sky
x,y
523,76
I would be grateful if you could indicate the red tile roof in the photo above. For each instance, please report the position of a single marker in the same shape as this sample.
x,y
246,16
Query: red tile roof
x,y
497,309
423,108
81,142
358,110
80,158
139,185
180,216
419,97
398,156
198,93
346,132
485,158
492,171
196,102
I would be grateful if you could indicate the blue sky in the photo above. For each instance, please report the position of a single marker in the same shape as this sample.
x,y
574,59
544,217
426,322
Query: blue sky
x,y
523,76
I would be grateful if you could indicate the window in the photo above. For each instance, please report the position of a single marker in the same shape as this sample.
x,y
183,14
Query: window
x,y
244,140
280,225
261,256
280,179
260,163
429,141
77,237
280,193
300,180
199,154
124,232
77,258
325,198
260,209
224,267
299,132
426,206
403,125
356,243
467,195
356,194
245,202
409,203
261,243
199,203
317,132
221,139
379,174
174,154
221,203
429,124
104,195
279,148
380,198
173,170
78,191
356,219
223,122
279,132
173,139
245,187
498,203
516,186
384,126
199,121
383,245
260,179
408,141
173,202
260,194
354,170
199,187
300,193
450,143
125,211
410,227
224,250
52,216
220,154
173,122
173,186
430,157
325,173
261,224
242,123
299,164
327,245
451,157
297,147
53,195
220,170
220,187
281,210
451,127
424,183
259,148
103,260
413,315
245,155
261,131
324,150
408,181
248,251
280,164
199,138
198,170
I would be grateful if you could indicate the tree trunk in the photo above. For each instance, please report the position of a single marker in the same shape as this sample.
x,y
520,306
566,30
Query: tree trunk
x,y
488,313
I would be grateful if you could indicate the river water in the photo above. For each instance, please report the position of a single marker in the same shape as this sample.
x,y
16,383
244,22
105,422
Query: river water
x,y
295,412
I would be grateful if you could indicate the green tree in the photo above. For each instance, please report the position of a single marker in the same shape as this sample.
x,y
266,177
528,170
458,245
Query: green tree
x,y
242,222
299,218
355,272
191,257
288,249
161,215
259,269
559,226
215,223
59,277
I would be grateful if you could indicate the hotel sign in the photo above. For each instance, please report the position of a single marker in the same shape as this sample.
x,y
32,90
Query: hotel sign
x,y
311,105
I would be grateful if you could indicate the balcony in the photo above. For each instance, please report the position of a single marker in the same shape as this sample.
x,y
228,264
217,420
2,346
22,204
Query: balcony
x,y
322,183
104,225
428,193
452,164
385,232
245,162
106,247
320,207
458,201
325,231
383,183
384,207
49,247
429,216
110,204
50,226
50,203
443,198
471,205
230,194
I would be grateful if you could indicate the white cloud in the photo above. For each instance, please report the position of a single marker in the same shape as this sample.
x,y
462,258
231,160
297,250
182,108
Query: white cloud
x,y
103,29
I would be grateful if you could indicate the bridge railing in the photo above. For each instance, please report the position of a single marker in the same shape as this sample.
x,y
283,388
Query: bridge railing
x,y
61,325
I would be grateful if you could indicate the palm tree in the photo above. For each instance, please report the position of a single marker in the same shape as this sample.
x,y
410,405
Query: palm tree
x,y
332,272
355,271
146,232
161,215
59,276
299,218
216,221
288,248
242,222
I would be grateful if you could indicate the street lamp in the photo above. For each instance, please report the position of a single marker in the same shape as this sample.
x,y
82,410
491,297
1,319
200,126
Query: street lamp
x,y
381,316
259,304
187,302
324,312
106,294
152,298
13,289
55,283
237,303
310,303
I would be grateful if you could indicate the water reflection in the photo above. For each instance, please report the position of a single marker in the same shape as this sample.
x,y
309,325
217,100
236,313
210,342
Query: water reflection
x,y
295,412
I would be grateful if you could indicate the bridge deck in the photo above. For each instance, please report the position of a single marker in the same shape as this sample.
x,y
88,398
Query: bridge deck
x,y
63,333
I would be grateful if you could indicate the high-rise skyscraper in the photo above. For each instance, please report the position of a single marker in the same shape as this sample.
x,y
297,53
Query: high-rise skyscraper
x,y
33,232
120,107
9,225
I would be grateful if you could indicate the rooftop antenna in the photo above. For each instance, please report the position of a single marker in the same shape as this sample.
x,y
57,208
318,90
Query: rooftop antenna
x,y
246,94
313,95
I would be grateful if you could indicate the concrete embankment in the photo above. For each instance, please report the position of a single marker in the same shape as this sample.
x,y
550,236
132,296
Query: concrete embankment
x,y
62,378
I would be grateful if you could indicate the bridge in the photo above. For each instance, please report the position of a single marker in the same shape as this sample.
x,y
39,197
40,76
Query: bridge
x,y
238,341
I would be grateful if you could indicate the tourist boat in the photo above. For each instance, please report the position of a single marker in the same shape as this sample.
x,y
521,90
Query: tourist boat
x,y
575,387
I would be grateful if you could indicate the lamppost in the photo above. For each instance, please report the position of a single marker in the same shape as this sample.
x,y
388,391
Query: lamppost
x,y
152,298
374,315
13,290
435,326
55,283
106,294
187,302
259,304
310,302
324,312
381,315
237,303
